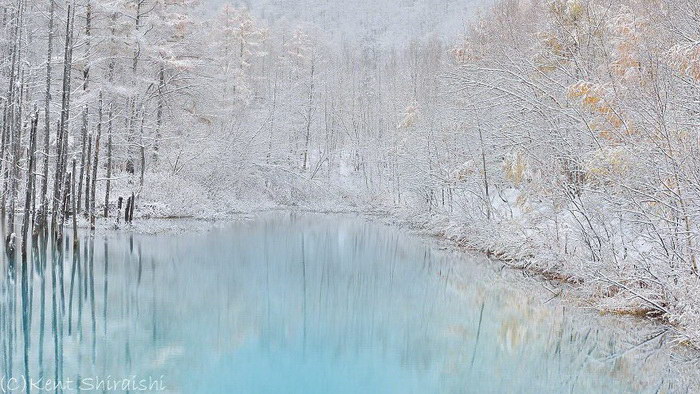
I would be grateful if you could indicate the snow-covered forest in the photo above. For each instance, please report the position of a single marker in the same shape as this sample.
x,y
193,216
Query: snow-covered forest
x,y
561,136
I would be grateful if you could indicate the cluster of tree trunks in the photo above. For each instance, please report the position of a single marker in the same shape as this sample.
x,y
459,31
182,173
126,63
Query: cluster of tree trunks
x,y
30,161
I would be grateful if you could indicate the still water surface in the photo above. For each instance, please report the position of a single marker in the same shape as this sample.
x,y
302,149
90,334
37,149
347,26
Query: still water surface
x,y
288,303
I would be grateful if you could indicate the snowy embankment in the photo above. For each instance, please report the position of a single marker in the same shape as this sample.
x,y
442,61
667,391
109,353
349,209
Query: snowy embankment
x,y
587,283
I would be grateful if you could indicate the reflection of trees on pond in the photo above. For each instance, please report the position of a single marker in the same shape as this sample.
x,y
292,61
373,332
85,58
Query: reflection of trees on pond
x,y
70,317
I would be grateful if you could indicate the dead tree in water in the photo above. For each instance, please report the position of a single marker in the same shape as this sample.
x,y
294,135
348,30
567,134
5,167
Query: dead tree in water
x,y
64,206
109,161
14,173
119,208
4,152
26,292
74,208
12,116
127,209
30,184
131,208
142,150
88,159
62,143
95,164
83,154
42,217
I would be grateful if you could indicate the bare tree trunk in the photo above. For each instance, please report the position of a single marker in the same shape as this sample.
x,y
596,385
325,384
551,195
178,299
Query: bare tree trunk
x,y
47,123
130,137
131,208
13,117
83,154
88,32
137,28
127,209
109,161
4,152
486,179
26,285
95,164
142,148
74,207
112,57
30,183
272,118
88,159
120,200
14,173
159,112
64,205
309,116
62,143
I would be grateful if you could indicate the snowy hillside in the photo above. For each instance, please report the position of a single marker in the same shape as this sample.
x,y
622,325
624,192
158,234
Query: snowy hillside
x,y
386,22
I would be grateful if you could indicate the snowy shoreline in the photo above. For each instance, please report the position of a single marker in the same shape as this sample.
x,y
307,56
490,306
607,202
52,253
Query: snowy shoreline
x,y
574,290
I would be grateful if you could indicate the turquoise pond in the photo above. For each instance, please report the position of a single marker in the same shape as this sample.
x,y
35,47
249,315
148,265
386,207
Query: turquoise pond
x,y
309,303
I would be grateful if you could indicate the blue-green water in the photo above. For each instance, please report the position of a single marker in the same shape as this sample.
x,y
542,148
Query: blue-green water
x,y
310,304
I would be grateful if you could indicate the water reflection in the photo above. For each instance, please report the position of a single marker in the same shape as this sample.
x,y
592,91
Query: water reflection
x,y
304,304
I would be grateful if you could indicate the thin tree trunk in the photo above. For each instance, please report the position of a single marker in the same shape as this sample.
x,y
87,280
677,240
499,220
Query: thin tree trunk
x,y
159,112
142,148
95,162
309,115
64,207
4,152
131,208
14,118
126,210
74,208
137,28
88,159
62,143
120,201
88,32
272,119
47,122
14,173
486,179
30,184
130,137
26,285
83,154
109,162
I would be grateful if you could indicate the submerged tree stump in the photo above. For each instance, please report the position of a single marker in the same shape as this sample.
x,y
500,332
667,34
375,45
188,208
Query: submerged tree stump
x,y
131,207
119,208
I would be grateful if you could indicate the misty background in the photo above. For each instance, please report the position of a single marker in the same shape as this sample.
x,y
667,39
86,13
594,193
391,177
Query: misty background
x,y
385,22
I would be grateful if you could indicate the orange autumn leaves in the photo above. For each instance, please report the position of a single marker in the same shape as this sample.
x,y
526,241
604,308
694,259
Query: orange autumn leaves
x,y
608,123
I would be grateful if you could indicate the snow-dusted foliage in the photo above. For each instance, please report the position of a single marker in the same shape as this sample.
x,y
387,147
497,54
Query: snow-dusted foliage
x,y
592,108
